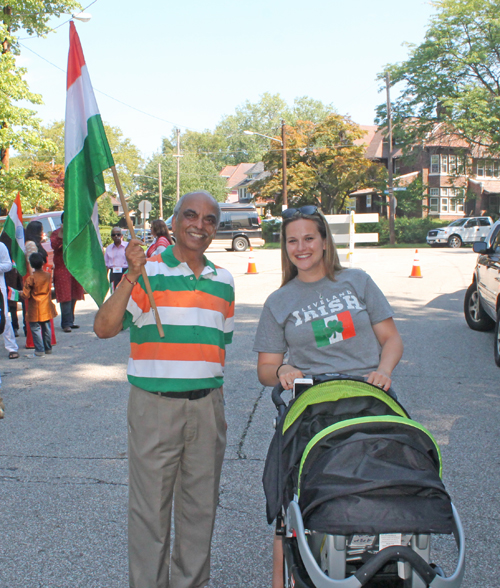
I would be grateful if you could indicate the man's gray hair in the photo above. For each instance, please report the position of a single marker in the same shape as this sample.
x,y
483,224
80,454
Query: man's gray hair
x,y
205,193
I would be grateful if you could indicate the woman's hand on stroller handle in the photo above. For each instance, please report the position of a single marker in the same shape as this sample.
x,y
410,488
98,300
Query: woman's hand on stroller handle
x,y
287,374
380,379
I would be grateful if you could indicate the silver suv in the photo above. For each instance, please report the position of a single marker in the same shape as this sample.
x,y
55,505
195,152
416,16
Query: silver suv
x,y
463,230
482,299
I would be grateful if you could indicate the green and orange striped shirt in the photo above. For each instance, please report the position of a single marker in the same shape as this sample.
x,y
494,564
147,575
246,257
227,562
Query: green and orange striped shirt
x,y
198,319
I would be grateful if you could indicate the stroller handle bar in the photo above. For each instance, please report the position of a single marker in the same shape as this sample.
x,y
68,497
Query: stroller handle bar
x,y
278,389
371,567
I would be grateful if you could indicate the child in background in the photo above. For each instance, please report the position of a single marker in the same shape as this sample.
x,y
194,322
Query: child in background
x,y
41,309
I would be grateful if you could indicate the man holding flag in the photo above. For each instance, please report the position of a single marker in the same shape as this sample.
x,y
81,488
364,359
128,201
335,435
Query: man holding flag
x,y
176,422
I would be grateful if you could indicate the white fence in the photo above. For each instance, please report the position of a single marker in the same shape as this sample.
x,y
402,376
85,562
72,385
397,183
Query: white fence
x,y
343,228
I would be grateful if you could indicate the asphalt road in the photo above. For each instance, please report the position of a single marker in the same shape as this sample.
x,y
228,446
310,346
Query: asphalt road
x,y
63,450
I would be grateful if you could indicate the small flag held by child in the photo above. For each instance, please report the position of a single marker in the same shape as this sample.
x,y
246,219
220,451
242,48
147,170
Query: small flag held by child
x,y
12,294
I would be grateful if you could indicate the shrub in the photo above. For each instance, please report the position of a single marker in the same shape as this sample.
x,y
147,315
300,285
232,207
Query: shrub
x,y
407,230
270,227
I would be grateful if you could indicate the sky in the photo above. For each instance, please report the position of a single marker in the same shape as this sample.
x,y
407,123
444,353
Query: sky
x,y
156,65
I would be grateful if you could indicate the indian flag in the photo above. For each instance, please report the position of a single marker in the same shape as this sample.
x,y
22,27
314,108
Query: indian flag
x,y
13,230
87,155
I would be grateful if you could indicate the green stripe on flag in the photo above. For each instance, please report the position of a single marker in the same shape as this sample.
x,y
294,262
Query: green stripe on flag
x,y
16,252
84,184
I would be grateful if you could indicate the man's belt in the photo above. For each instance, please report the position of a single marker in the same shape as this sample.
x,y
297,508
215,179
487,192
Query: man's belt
x,y
190,395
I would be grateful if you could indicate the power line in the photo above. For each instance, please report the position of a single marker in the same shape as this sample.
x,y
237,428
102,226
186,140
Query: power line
x,y
116,99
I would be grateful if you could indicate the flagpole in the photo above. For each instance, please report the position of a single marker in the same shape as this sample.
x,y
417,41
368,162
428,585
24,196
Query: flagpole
x,y
132,233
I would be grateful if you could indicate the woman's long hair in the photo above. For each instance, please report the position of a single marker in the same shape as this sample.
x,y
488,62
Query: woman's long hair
x,y
33,232
160,229
330,255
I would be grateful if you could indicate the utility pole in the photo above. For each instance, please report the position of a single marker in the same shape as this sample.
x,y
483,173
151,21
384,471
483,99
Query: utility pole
x,y
160,192
178,164
390,185
284,205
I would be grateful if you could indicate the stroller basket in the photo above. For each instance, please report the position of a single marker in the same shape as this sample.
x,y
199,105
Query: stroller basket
x,y
351,472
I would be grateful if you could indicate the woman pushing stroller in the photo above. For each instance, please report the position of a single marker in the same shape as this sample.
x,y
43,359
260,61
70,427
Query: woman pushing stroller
x,y
326,318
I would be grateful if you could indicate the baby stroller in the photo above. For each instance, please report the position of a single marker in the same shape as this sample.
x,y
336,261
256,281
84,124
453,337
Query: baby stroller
x,y
355,486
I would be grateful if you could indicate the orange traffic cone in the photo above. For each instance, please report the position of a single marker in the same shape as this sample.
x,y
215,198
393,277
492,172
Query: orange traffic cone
x,y
252,269
415,270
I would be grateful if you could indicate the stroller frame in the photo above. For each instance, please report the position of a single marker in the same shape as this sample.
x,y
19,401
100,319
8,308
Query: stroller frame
x,y
306,560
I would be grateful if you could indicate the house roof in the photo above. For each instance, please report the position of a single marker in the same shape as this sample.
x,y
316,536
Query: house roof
x,y
235,173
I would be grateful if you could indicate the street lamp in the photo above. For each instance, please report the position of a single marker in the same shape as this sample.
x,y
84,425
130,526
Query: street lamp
x,y
82,16
160,195
284,206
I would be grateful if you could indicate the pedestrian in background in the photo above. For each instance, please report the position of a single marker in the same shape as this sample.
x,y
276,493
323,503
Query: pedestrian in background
x,y
37,289
8,333
114,258
68,290
33,243
159,230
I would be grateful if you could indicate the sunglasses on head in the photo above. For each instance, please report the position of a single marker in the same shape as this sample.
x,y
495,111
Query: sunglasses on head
x,y
309,209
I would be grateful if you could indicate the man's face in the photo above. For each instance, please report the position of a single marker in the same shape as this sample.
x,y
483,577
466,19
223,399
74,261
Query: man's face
x,y
116,235
196,224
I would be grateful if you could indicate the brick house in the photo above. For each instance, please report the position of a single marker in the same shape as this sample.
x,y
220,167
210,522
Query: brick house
x,y
460,180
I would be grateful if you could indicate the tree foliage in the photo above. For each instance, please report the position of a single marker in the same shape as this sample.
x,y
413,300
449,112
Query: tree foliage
x,y
196,173
325,164
229,145
453,77
19,128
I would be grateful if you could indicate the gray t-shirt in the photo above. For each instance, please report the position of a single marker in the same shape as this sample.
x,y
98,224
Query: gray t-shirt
x,y
325,326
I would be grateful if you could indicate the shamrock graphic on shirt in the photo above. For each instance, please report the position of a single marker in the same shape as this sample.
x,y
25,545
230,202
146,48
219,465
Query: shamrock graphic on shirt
x,y
333,329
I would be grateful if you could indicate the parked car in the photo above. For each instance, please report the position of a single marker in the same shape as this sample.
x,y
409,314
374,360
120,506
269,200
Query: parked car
x,y
50,222
462,231
482,299
239,224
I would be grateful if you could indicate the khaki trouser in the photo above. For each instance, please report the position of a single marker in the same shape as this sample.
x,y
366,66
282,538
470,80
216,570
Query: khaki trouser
x,y
181,443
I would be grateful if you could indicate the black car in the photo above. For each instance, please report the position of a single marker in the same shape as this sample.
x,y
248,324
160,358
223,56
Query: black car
x,y
482,299
239,224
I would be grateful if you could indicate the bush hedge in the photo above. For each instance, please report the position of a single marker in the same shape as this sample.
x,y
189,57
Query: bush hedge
x,y
407,230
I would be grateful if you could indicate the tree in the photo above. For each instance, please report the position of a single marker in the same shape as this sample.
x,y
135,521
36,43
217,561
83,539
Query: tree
x,y
410,199
229,145
196,173
452,78
18,125
324,165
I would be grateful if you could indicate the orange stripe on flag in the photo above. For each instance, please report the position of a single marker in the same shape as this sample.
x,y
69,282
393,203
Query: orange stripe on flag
x,y
346,320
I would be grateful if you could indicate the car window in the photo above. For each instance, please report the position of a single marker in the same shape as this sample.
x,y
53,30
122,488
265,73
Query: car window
x,y
458,223
484,222
495,245
47,227
239,219
471,223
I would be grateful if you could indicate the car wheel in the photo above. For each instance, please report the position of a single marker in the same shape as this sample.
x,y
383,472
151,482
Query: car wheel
x,y
240,244
497,339
454,241
476,317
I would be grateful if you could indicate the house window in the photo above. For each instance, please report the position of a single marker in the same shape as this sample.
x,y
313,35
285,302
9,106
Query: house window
x,y
396,167
369,201
452,159
434,164
444,164
434,204
480,168
488,171
444,204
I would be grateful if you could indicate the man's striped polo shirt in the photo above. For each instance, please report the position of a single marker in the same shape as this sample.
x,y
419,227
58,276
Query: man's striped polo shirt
x,y
198,319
